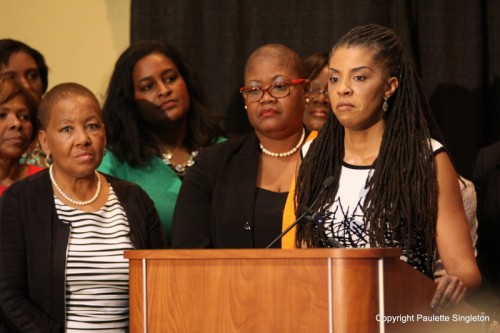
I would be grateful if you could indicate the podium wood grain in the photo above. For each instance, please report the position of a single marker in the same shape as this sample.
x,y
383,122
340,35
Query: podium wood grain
x,y
273,290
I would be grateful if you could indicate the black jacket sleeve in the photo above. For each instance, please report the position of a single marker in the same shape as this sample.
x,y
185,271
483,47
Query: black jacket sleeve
x,y
15,302
146,231
191,222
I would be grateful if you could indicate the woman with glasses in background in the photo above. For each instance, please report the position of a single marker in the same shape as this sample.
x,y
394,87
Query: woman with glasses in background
x,y
317,102
233,197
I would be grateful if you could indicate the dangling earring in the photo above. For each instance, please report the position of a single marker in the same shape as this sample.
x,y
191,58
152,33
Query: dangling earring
x,y
385,105
48,160
308,100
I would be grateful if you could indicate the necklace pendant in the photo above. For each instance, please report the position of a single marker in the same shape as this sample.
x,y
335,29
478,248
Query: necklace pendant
x,y
180,168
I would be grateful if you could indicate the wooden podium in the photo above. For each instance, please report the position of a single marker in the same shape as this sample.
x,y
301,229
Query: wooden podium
x,y
275,290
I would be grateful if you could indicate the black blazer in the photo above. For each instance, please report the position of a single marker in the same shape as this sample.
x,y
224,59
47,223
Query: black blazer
x,y
33,245
487,180
215,207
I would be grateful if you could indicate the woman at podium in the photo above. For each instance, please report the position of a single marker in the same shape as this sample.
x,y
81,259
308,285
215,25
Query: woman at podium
x,y
394,183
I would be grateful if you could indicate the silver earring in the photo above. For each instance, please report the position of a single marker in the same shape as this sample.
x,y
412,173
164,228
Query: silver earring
x,y
385,105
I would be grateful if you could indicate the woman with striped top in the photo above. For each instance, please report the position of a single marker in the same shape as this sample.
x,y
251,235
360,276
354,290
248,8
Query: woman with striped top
x,y
63,231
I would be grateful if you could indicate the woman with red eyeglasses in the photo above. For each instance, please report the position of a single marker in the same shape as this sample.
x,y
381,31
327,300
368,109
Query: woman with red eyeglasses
x,y
233,197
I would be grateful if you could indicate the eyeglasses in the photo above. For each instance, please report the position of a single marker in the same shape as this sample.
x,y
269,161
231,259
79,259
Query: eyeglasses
x,y
277,90
315,92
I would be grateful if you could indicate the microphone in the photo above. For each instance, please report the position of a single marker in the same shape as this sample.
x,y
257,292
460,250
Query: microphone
x,y
334,243
308,211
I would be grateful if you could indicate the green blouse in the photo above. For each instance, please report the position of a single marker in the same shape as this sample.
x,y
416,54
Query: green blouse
x,y
157,179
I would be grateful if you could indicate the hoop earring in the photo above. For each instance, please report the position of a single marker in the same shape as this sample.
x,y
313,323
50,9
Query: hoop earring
x,y
385,105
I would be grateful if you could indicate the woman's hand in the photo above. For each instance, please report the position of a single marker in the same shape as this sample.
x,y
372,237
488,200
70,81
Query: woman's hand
x,y
449,291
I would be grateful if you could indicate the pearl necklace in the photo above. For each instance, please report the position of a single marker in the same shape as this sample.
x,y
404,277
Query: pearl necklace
x,y
180,169
73,201
287,153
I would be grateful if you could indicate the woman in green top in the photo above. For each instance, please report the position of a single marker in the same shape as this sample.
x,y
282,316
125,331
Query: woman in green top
x,y
156,122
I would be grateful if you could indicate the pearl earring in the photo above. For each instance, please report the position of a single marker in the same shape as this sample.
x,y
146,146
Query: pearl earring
x,y
308,100
385,105
246,107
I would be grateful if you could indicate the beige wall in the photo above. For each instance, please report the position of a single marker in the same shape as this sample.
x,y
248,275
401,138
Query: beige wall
x,y
80,39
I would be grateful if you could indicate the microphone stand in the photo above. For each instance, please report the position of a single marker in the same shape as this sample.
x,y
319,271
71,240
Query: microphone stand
x,y
287,229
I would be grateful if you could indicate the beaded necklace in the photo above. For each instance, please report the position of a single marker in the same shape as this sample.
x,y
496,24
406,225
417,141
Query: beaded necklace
x,y
179,169
287,153
67,197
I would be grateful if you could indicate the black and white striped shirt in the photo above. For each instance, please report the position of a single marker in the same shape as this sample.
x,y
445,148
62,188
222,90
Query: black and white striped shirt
x,y
96,272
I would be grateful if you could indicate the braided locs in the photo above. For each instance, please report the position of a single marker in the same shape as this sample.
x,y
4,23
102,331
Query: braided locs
x,y
402,195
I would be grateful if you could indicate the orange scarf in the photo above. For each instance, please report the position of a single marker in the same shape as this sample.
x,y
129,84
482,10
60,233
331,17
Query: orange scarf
x,y
288,241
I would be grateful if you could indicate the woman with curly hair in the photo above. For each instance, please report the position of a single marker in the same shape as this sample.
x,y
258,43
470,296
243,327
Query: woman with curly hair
x,y
18,129
27,66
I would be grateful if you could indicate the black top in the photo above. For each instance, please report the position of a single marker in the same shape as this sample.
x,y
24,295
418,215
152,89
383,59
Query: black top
x,y
216,204
268,217
33,245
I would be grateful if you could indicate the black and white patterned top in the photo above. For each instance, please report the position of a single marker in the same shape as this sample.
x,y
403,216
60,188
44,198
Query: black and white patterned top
x,y
345,222
96,271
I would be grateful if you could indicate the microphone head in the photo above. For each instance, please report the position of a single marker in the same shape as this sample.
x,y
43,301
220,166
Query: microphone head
x,y
328,182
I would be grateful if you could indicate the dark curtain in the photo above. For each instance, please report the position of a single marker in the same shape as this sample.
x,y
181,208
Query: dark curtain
x,y
456,45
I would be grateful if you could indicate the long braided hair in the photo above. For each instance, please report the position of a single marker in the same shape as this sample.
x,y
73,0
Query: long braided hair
x,y
402,192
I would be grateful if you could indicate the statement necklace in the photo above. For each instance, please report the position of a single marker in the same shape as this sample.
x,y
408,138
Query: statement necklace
x,y
180,169
287,153
73,201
